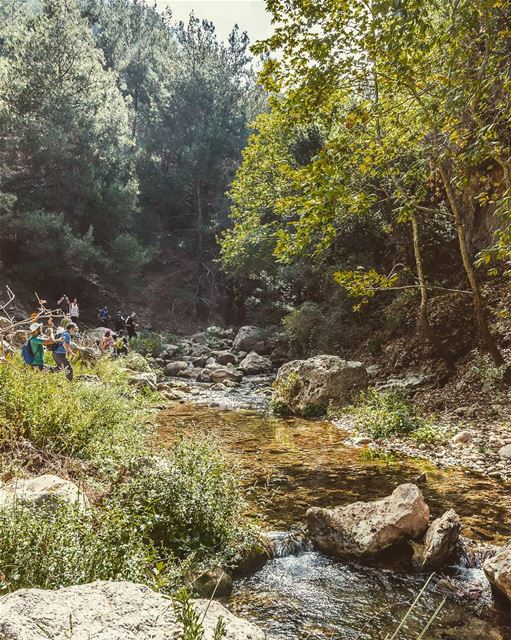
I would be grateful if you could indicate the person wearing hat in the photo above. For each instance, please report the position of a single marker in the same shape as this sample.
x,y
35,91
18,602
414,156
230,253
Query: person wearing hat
x,y
37,343
61,352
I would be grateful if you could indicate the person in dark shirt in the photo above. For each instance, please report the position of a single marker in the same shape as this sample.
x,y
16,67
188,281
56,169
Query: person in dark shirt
x,y
119,322
104,317
131,324
63,304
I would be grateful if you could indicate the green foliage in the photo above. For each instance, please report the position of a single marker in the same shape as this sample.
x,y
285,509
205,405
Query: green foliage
x,y
51,547
194,498
382,414
301,324
284,390
147,344
191,620
483,370
100,422
430,432
65,125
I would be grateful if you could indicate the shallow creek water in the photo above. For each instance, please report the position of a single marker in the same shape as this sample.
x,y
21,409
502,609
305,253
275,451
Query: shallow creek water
x,y
289,465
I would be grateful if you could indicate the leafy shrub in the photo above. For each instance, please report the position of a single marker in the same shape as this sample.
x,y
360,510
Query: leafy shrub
x,y
381,414
301,324
50,548
147,344
195,500
136,361
483,370
430,432
98,422
192,622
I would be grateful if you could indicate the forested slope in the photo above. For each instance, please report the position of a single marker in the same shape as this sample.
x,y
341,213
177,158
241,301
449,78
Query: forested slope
x,y
120,131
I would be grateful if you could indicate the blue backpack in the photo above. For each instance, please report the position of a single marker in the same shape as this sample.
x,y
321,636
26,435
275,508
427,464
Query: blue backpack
x,y
26,353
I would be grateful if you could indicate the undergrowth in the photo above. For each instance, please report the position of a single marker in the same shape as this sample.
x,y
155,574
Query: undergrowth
x,y
98,421
383,414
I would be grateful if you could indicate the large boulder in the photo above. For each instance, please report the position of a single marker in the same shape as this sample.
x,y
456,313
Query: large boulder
x,y
440,542
310,386
144,380
47,490
223,374
96,334
173,368
365,529
498,571
108,611
253,364
224,357
256,339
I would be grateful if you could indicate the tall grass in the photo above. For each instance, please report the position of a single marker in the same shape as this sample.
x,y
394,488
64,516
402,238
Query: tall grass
x,y
101,422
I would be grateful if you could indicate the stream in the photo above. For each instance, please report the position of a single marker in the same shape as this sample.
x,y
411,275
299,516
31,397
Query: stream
x,y
289,465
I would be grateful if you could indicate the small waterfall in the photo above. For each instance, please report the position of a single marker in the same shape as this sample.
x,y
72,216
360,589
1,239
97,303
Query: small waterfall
x,y
288,543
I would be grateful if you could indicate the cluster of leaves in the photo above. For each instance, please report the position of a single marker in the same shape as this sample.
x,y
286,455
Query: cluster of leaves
x,y
195,500
183,509
147,343
382,414
157,515
408,130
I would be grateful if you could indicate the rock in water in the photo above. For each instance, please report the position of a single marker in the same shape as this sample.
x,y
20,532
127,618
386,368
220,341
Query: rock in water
x,y
224,357
440,542
365,529
498,571
253,363
310,386
222,374
108,611
47,490
173,368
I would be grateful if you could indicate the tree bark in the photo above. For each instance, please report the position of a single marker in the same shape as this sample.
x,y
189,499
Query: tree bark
x,y
479,307
423,327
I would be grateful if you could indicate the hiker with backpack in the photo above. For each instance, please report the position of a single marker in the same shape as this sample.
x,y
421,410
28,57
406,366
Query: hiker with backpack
x,y
33,350
64,349
121,344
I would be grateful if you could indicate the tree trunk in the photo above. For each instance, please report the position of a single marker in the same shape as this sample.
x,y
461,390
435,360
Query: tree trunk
x,y
479,307
423,327
200,302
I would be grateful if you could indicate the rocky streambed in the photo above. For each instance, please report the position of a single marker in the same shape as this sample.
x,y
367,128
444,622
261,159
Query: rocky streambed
x,y
292,464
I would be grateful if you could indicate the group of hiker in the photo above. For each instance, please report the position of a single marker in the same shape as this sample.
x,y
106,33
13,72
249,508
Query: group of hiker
x,y
123,323
61,340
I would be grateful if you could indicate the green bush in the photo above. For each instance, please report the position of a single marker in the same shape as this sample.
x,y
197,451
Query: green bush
x,y
147,344
381,414
99,422
195,500
50,548
483,370
300,326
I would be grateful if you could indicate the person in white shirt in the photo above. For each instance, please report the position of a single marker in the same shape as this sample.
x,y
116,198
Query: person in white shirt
x,y
74,311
